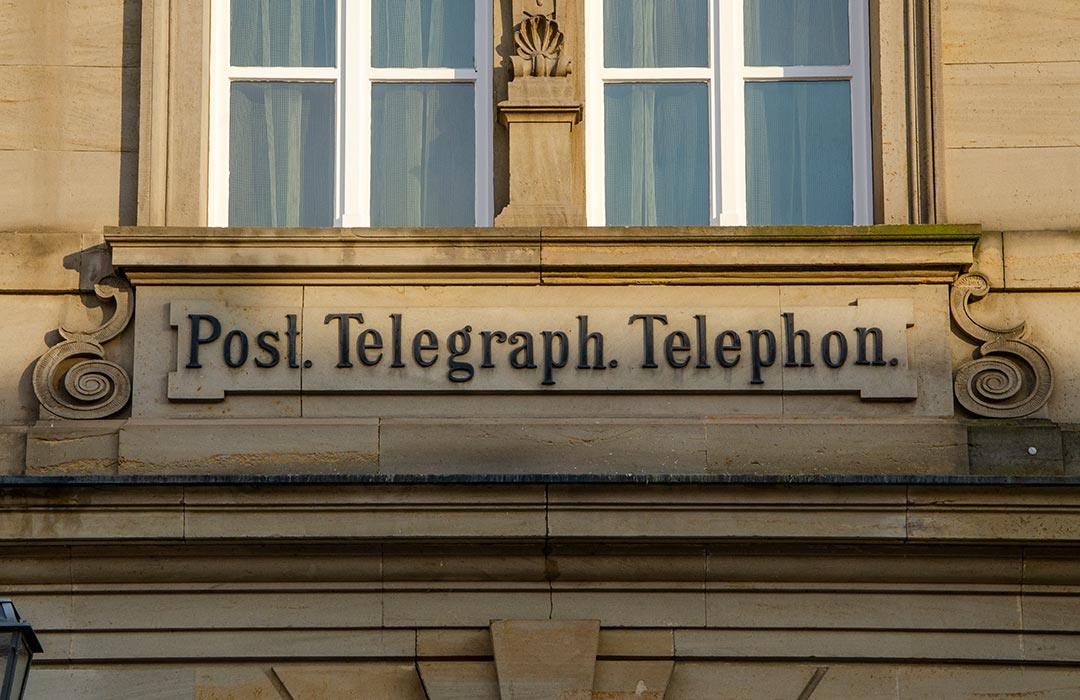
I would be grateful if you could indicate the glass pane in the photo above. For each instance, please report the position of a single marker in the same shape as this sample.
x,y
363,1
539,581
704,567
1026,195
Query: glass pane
x,y
422,33
656,33
796,32
423,138
22,668
798,153
283,32
281,154
656,141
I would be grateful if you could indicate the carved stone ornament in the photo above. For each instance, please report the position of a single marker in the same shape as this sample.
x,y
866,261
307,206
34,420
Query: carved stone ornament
x,y
1011,378
73,379
539,49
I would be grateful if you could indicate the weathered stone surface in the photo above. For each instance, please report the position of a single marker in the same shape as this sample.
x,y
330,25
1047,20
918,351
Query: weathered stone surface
x,y
1016,449
360,681
257,446
115,683
73,447
545,659
470,680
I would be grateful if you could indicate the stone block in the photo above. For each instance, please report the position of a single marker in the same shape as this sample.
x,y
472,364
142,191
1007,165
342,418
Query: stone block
x,y
248,645
1046,514
826,680
453,643
224,610
837,446
863,609
466,605
541,445
396,513
66,190
1016,449
545,659
164,683
1010,105
41,261
1007,31
1014,189
656,644
73,447
12,450
918,682
359,681
70,33
1042,259
69,108
457,680
707,513
632,680
863,645
251,446
650,605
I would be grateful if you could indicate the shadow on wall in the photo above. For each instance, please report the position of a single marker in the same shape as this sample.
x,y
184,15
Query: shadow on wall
x,y
127,213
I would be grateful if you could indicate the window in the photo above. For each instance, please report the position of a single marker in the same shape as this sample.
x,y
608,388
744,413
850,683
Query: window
x,y
351,113
728,112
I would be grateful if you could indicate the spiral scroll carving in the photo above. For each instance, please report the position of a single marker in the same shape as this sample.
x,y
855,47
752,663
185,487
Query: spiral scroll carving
x,y
73,379
1011,378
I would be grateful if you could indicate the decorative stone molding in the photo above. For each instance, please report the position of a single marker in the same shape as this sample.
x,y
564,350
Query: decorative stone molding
x,y
73,379
1011,378
539,44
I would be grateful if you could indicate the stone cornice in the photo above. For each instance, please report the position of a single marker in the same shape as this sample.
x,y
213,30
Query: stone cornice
x,y
630,514
708,255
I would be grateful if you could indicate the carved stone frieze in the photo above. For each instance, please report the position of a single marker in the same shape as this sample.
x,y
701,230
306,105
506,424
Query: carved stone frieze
x,y
73,379
539,43
1011,378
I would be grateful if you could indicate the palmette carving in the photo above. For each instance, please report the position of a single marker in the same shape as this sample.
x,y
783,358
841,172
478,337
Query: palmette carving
x,y
539,44
1011,378
73,379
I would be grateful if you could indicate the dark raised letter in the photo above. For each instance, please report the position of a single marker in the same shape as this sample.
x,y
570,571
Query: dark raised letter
x,y
757,359
702,348
523,357
197,340
647,337
676,342
584,338
487,337
291,334
841,349
879,346
422,342
395,341
728,341
458,344
550,360
342,336
790,334
227,348
363,345
271,350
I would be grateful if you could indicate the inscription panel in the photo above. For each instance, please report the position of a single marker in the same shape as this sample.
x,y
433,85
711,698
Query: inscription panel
x,y
489,339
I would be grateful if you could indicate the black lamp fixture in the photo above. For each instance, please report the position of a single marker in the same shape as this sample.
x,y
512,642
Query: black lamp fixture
x,y
18,644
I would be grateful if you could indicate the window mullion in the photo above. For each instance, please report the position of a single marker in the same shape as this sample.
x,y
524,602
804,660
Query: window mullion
x,y
861,139
218,180
731,138
355,114
483,116
595,196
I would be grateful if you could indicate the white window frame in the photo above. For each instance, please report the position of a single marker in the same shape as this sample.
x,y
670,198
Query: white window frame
x,y
352,77
726,76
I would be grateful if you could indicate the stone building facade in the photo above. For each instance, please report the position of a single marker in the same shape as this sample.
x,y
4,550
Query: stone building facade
x,y
265,435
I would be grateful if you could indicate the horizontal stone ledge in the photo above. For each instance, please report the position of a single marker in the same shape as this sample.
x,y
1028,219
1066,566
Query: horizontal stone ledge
x,y
585,479
714,255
